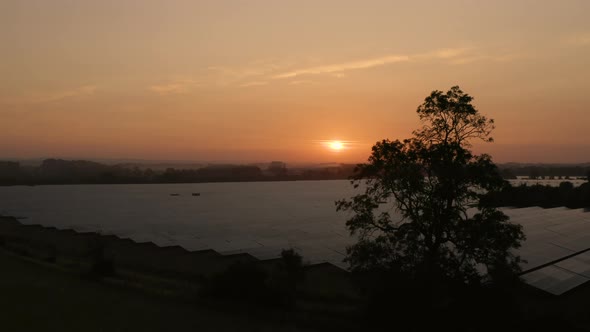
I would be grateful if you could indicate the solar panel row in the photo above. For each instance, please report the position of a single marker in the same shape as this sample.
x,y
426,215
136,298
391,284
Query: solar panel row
x,y
552,235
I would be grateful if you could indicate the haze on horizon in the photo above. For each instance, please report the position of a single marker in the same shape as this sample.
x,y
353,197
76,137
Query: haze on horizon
x,y
269,80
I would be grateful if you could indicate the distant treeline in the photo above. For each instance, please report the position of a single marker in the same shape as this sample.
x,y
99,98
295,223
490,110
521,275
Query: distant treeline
x,y
58,171
510,171
544,196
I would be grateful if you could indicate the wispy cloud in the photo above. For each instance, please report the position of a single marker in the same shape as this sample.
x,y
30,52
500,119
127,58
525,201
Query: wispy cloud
x,y
225,75
48,97
265,71
237,73
454,56
85,90
301,82
175,87
448,53
580,39
480,57
345,66
253,83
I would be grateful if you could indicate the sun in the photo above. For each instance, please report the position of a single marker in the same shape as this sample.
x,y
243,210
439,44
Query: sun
x,y
336,145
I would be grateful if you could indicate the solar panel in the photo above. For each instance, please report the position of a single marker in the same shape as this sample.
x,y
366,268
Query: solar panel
x,y
554,280
231,219
575,265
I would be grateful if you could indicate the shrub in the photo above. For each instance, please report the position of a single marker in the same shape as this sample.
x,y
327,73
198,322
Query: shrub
x,y
251,282
285,278
100,265
241,281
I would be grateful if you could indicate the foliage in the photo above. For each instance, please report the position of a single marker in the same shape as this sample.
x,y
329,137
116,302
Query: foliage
x,y
254,283
245,281
100,265
57,171
547,171
544,196
278,168
435,183
285,278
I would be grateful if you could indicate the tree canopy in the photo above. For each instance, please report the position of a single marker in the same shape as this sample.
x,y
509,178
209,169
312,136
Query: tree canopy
x,y
441,229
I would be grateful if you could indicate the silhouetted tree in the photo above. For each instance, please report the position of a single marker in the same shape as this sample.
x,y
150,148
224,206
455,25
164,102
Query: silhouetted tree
x,y
10,172
544,196
534,173
278,168
446,234
508,174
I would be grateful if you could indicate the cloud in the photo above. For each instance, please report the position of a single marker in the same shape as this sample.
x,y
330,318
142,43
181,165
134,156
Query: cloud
x,y
254,83
237,73
262,72
345,66
48,97
224,75
581,39
175,87
85,90
301,82
492,58
338,69
449,53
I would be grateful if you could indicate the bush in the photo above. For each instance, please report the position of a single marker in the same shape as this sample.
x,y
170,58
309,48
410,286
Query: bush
x,y
454,307
251,282
100,266
285,278
241,281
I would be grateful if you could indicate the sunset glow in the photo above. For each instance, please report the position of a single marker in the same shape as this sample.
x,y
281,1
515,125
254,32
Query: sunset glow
x,y
224,81
336,145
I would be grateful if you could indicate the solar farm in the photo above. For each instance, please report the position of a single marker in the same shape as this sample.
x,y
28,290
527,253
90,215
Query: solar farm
x,y
262,219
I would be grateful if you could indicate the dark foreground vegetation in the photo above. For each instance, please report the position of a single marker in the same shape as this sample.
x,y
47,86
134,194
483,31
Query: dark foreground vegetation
x,y
58,171
549,172
38,297
566,194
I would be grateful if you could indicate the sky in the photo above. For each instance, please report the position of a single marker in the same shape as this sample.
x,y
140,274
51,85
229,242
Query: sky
x,y
251,81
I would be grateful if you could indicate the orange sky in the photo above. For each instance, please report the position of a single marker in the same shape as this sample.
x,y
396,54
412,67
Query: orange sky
x,y
267,80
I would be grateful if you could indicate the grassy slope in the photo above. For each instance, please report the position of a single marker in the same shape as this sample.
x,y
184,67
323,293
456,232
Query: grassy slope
x,y
35,298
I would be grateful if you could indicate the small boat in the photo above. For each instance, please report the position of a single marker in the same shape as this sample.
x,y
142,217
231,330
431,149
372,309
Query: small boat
x,y
196,194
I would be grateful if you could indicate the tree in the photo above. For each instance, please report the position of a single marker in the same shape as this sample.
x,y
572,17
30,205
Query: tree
x,y
278,168
534,173
442,232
